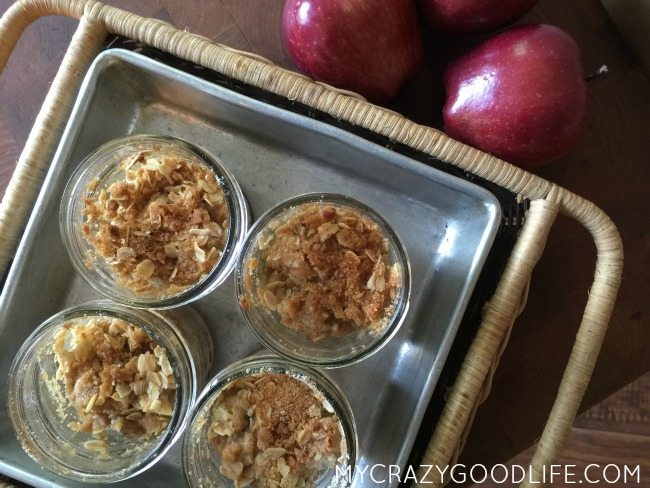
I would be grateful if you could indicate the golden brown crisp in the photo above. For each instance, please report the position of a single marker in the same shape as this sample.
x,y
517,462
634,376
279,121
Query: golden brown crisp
x,y
163,228
271,430
326,272
115,377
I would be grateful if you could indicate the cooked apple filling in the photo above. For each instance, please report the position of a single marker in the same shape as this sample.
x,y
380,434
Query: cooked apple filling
x,y
272,430
163,227
326,272
115,377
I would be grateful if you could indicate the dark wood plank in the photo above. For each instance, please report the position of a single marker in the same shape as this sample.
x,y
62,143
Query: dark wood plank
x,y
612,452
261,26
627,411
615,431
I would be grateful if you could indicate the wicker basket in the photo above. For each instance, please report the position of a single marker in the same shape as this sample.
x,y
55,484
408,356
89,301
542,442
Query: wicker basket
x,y
547,200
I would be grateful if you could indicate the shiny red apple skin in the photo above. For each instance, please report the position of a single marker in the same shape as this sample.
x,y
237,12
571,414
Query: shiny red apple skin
x,y
371,47
520,95
458,17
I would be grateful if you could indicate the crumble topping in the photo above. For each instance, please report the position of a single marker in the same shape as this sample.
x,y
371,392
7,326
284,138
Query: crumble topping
x,y
115,377
271,430
162,228
326,272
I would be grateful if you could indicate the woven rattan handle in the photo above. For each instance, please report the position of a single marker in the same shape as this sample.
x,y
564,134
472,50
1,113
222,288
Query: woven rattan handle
x,y
261,73
473,380
48,127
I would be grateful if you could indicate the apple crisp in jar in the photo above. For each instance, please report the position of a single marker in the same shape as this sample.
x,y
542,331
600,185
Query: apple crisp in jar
x,y
153,221
328,270
99,392
115,377
269,423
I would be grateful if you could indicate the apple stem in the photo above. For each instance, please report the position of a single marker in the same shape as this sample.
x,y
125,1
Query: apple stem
x,y
599,73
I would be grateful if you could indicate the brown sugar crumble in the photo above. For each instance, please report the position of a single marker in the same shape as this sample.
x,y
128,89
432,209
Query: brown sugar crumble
x,y
326,272
115,377
271,430
162,228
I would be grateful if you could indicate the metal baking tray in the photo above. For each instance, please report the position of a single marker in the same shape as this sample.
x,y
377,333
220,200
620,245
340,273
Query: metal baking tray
x,y
446,223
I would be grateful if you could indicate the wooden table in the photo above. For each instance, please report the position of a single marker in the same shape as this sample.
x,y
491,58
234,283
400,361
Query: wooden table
x,y
609,166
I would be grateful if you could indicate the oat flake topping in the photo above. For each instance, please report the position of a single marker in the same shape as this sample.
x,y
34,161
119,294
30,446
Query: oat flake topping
x,y
271,430
326,272
115,377
163,227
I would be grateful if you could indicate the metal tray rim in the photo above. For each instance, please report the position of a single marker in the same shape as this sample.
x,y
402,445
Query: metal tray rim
x,y
79,111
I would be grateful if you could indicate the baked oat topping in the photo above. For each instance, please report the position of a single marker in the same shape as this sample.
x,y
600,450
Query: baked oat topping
x,y
115,377
271,430
162,228
326,272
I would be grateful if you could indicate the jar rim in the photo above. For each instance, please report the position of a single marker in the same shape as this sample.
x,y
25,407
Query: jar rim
x,y
26,364
396,244
265,362
93,167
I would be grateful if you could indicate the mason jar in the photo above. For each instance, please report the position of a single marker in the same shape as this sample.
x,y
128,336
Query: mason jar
x,y
74,355
202,463
301,267
153,221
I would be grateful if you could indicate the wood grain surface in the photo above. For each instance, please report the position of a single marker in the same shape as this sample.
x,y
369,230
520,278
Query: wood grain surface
x,y
609,166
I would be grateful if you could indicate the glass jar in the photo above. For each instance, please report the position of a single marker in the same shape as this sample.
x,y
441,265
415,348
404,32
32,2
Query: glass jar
x,y
201,461
311,312
40,402
122,231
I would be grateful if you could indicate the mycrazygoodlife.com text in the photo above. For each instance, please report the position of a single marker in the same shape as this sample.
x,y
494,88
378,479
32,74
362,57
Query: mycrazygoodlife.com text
x,y
560,474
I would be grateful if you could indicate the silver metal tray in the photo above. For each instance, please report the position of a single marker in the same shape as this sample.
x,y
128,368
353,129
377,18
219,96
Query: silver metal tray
x,y
446,223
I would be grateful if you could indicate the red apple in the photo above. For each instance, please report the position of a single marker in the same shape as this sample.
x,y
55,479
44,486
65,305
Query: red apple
x,y
473,16
520,95
371,47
